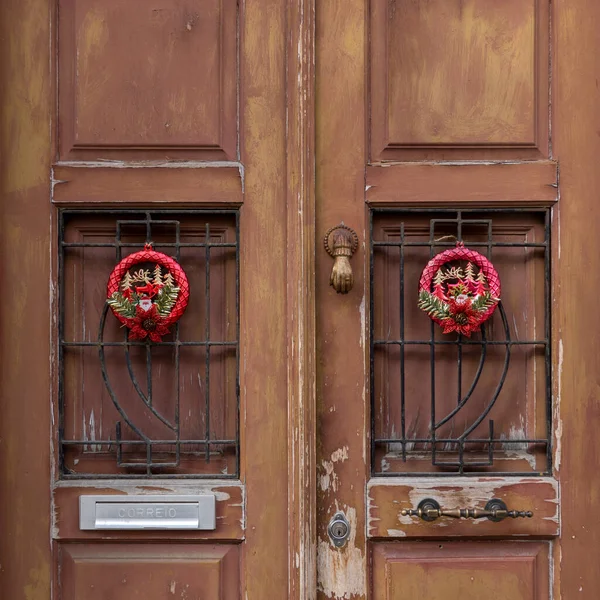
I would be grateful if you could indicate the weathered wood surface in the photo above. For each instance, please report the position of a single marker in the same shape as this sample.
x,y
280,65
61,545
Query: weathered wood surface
x,y
465,570
229,510
576,145
300,298
388,497
170,185
342,341
25,423
123,571
264,369
440,184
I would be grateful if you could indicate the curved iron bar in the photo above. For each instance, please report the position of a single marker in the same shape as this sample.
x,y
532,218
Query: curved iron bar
x,y
139,390
483,415
106,380
473,385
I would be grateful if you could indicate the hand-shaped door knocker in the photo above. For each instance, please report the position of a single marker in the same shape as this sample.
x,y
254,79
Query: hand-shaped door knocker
x,y
341,243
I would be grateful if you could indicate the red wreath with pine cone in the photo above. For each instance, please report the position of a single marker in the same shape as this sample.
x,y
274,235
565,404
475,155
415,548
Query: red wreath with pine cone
x,y
456,296
148,300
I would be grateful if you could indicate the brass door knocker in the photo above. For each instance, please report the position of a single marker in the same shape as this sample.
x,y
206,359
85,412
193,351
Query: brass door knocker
x,y
341,243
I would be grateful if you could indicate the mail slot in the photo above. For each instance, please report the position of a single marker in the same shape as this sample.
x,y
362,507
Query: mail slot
x,y
147,512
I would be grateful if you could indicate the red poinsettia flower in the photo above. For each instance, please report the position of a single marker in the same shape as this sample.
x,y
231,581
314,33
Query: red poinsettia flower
x,y
463,317
148,323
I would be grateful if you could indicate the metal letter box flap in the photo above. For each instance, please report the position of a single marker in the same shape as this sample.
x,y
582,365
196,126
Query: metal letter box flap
x,y
147,512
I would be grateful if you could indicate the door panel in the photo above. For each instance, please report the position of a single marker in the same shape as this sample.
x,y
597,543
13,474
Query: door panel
x,y
437,571
174,95
145,112
141,571
197,105
480,90
443,116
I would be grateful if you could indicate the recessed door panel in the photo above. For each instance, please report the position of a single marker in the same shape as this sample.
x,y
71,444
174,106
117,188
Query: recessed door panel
x,y
122,572
470,571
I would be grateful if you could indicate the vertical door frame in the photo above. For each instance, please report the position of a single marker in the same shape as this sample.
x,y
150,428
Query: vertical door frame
x,y
26,95
25,213
576,146
302,502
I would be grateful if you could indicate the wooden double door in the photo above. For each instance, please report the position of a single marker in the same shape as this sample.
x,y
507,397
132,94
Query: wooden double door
x,y
233,136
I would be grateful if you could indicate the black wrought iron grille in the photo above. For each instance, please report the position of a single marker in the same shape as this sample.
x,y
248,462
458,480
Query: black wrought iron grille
x,y
131,408
443,404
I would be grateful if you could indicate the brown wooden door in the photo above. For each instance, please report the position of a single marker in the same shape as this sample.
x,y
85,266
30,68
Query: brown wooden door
x,y
126,123
198,125
437,122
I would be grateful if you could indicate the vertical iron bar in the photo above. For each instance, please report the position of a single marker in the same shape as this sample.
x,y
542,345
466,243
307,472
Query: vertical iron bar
x,y
148,228
148,457
207,335
459,365
149,373
491,444
177,241
237,338
177,350
118,440
548,335
177,359
432,355
61,339
372,338
118,241
490,237
402,357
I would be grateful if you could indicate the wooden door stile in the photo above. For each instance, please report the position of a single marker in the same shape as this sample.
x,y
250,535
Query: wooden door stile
x,y
300,297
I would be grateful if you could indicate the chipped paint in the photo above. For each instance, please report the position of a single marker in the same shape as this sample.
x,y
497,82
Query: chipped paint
x,y
329,479
452,493
361,310
518,451
396,533
340,571
152,486
146,487
558,425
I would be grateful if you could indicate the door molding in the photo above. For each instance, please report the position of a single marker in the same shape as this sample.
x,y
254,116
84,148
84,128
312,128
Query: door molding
x,y
300,297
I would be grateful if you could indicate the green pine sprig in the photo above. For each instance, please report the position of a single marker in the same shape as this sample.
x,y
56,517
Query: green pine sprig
x,y
433,306
484,302
165,299
122,305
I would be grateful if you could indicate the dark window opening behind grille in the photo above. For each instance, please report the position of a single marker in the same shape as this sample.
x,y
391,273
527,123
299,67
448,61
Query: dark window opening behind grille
x,y
443,404
136,409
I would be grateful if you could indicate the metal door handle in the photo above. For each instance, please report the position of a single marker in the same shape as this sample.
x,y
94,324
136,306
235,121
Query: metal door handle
x,y
495,510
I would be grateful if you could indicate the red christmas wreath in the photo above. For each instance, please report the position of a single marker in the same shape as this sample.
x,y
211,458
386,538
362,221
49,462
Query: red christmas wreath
x,y
148,301
459,298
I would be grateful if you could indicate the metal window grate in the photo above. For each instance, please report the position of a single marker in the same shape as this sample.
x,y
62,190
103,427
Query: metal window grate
x,y
166,409
517,440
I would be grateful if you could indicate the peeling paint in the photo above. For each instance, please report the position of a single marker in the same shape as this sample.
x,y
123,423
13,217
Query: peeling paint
x,y
329,479
396,533
558,428
451,493
341,572
152,487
